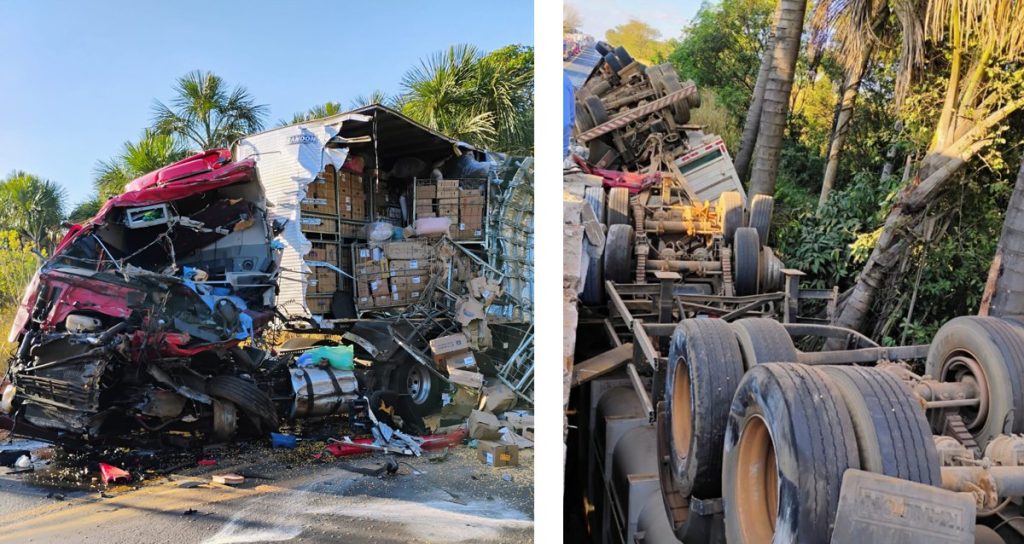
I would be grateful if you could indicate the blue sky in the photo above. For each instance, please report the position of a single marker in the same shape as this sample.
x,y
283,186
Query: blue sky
x,y
668,16
79,78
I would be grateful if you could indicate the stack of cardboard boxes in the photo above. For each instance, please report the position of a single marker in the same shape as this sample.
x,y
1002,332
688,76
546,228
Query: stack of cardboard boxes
x,y
463,206
322,193
448,203
393,274
351,196
471,214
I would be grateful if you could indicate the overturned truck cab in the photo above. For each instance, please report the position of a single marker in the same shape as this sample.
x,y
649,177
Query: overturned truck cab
x,y
146,318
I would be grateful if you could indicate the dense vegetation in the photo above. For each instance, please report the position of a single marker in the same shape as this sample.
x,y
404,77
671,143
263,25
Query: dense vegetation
x,y
893,143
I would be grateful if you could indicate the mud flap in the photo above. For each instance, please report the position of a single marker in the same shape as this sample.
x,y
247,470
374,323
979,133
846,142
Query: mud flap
x,y
878,508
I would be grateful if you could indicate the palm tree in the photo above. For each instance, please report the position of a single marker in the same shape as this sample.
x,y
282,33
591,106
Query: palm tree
x,y
775,105
982,89
376,96
33,208
748,140
207,114
441,94
85,210
151,152
504,85
856,47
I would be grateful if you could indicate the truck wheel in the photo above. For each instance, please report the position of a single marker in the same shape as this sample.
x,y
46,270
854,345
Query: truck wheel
x,y
747,252
618,254
420,385
990,352
593,288
613,62
680,109
892,433
761,207
777,487
618,206
584,121
255,403
595,107
693,99
704,369
763,340
624,57
730,214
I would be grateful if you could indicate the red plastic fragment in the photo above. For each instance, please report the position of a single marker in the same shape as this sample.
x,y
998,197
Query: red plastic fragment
x,y
110,473
430,442
207,462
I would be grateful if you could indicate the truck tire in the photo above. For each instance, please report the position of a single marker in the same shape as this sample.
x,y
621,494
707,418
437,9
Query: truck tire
x,y
593,287
252,400
730,213
416,382
613,62
693,99
680,109
602,48
624,57
893,436
618,207
704,370
761,207
595,108
776,486
618,254
747,252
992,352
763,340
584,121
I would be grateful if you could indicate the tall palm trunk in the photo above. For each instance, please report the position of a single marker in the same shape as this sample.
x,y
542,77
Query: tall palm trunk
x,y
775,108
750,125
1004,291
841,129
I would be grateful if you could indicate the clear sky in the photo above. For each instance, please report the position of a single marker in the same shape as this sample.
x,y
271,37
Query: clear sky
x,y
667,16
79,78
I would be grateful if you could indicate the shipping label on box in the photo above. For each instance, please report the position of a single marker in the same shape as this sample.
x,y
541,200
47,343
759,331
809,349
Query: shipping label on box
x,y
379,287
449,344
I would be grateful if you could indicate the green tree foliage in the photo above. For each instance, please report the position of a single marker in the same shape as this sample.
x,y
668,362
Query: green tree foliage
x,y
33,208
721,50
151,152
206,114
486,100
85,210
642,41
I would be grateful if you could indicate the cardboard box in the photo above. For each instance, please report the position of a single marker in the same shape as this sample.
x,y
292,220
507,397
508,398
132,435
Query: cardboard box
x,y
362,289
379,287
368,270
448,185
325,280
483,425
383,301
319,304
449,344
369,255
426,192
323,251
398,265
497,454
462,360
408,250
364,301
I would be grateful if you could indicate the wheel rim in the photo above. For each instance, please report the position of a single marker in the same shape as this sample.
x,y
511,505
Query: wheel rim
x,y
682,428
962,366
757,482
418,384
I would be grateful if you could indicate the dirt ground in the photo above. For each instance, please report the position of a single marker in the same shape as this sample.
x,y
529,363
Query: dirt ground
x,y
288,496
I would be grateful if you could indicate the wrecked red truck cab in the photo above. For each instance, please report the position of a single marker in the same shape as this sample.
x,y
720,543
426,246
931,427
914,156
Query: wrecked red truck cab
x,y
135,323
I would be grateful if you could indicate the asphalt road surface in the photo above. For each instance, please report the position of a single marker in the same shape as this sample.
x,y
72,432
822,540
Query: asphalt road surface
x,y
289,500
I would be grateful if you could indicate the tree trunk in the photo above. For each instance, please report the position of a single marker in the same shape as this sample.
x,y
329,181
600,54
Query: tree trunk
x,y
748,140
842,127
937,168
1004,291
775,107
